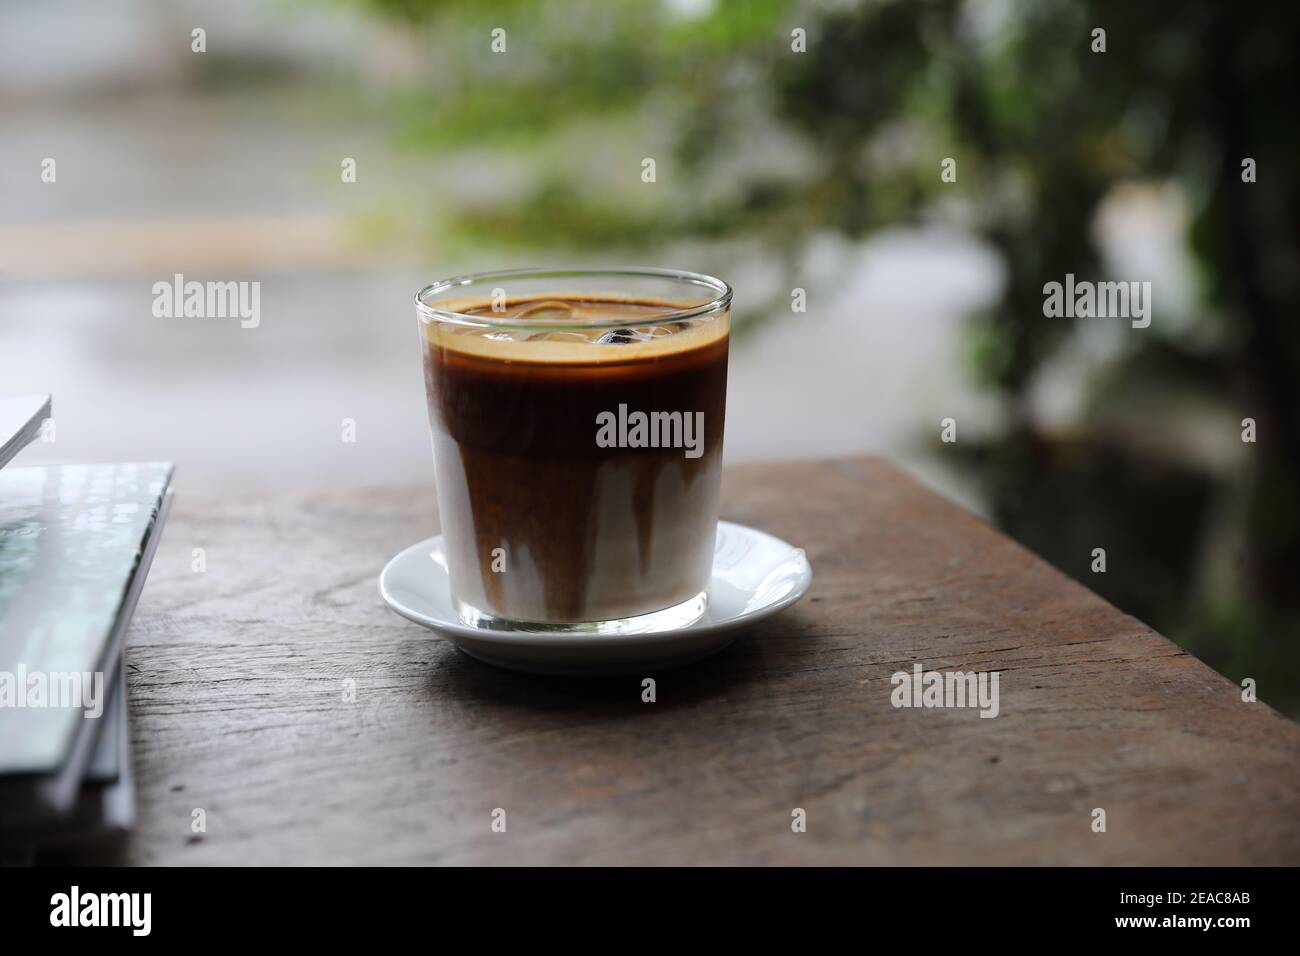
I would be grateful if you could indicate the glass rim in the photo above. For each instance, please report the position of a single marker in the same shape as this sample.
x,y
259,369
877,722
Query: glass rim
x,y
721,299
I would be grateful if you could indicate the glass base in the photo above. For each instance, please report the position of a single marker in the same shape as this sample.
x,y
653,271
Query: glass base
x,y
667,619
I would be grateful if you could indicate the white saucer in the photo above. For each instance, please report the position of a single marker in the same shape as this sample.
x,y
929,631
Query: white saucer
x,y
754,576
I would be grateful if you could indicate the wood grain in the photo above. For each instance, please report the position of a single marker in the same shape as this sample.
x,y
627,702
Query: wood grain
x,y
237,683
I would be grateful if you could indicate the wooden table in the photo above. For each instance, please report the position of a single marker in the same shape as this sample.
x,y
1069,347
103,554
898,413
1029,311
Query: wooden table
x,y
237,686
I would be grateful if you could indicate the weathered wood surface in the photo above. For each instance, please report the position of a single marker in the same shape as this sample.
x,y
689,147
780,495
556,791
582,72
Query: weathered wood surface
x,y
236,700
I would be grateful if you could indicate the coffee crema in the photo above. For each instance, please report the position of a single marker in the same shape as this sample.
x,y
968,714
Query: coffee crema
x,y
541,522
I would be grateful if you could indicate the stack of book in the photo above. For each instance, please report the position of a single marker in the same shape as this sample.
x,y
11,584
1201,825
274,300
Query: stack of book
x,y
76,542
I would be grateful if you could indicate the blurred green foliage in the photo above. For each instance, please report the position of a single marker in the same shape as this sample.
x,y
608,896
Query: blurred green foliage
x,y
1044,130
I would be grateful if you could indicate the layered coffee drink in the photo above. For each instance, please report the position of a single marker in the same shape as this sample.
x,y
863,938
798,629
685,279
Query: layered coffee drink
x,y
577,447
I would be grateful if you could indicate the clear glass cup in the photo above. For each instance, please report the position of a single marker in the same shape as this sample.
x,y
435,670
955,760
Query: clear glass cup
x,y
577,421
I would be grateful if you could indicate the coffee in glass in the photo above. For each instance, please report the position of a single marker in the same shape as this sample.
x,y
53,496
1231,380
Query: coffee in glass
x,y
577,422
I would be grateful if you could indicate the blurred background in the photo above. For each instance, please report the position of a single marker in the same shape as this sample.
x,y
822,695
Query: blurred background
x,y
797,146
